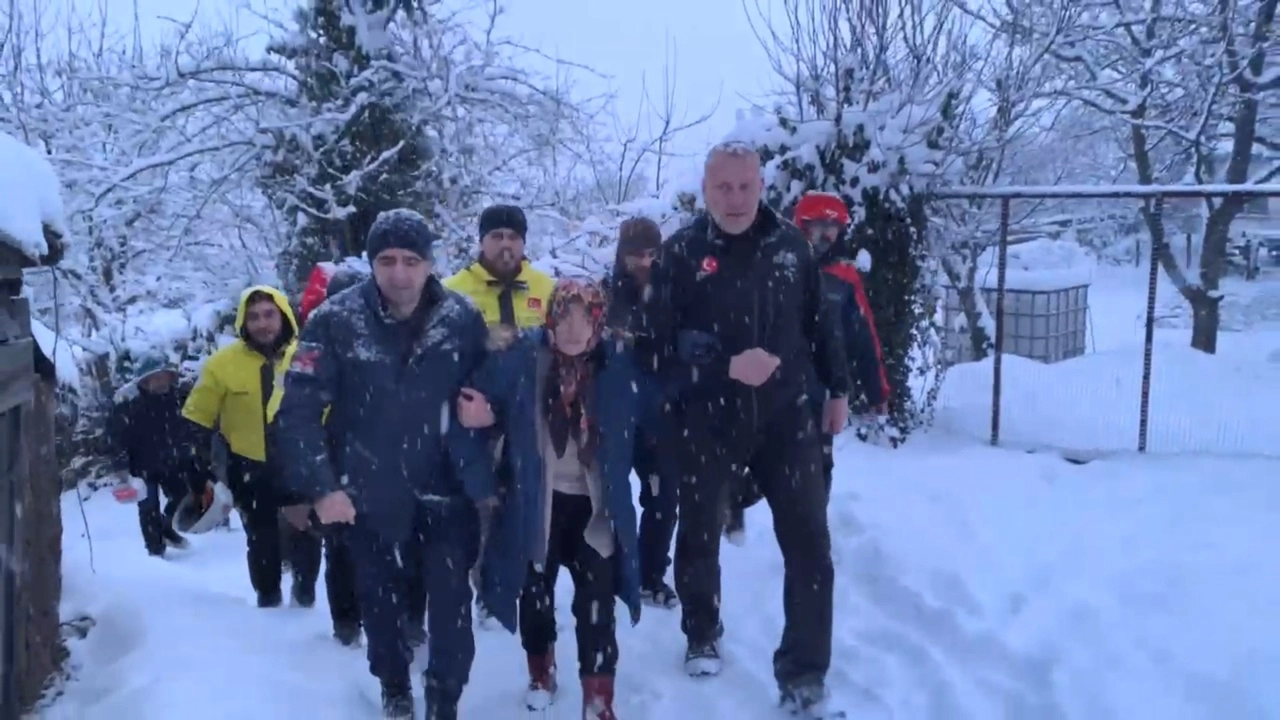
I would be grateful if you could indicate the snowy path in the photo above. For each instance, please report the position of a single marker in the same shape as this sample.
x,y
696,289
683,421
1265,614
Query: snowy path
x,y
972,583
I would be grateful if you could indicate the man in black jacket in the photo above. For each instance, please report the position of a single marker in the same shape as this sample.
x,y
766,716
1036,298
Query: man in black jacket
x,y
743,316
151,441
639,243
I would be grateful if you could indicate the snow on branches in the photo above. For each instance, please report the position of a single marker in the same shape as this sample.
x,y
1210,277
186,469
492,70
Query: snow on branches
x,y
402,105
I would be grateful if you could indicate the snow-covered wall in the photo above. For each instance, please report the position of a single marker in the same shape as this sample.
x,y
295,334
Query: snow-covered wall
x,y
30,198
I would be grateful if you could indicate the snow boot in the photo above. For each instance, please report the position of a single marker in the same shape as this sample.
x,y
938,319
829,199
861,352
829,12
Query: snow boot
x,y
270,599
703,659
597,698
347,633
542,681
302,595
397,701
660,595
809,702
442,700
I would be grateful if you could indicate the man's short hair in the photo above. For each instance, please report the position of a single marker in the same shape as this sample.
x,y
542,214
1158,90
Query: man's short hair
x,y
732,148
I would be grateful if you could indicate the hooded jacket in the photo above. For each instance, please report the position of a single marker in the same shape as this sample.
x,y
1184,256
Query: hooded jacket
x,y
237,381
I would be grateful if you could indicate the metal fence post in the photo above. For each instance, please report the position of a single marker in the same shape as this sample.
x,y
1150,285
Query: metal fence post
x,y
997,363
1158,241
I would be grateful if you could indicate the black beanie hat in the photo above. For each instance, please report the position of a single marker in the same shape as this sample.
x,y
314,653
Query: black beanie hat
x,y
503,217
400,229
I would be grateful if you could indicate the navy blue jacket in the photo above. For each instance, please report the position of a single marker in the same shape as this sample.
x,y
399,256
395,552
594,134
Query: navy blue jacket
x,y
509,380
843,291
391,397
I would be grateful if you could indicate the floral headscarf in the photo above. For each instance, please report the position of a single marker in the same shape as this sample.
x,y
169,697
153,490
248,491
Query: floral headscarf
x,y
570,390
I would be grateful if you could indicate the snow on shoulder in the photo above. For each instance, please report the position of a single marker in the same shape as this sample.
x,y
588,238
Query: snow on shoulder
x,y
30,199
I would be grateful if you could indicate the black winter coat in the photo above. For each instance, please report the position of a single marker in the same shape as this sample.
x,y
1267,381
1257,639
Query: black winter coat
x,y
720,295
148,436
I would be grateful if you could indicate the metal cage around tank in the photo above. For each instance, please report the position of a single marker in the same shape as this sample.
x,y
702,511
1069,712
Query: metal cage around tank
x,y
1043,324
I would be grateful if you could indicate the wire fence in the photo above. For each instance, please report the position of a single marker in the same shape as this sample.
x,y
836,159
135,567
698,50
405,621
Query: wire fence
x,y
1069,315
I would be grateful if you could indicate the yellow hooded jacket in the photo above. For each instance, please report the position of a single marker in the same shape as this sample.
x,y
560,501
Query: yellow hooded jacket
x,y
228,396
528,304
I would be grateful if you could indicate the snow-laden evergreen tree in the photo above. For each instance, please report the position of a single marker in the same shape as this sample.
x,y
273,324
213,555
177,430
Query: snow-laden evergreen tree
x,y
397,104
851,126
356,147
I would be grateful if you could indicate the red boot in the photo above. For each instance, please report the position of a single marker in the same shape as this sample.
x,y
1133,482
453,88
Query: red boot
x,y
542,681
597,698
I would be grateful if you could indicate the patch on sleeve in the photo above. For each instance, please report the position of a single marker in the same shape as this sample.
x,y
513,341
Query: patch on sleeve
x,y
305,359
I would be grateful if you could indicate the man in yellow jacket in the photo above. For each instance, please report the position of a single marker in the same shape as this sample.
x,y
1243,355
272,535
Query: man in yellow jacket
x,y
229,402
501,282
506,289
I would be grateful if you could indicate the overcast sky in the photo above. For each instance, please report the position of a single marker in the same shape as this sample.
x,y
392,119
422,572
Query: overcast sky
x,y
716,53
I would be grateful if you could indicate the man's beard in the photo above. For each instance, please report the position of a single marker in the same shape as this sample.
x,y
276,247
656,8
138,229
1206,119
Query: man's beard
x,y
641,274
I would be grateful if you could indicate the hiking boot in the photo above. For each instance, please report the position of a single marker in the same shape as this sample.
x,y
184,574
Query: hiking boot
x,y
270,599
703,659
660,595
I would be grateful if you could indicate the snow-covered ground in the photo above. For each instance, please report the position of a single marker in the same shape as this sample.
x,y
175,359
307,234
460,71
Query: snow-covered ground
x,y
972,583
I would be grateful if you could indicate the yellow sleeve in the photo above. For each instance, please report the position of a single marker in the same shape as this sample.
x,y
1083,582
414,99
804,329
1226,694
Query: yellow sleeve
x,y
456,282
204,404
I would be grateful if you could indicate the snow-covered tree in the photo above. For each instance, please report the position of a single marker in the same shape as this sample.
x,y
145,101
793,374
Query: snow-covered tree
x,y
396,104
1192,84
163,219
1010,129
864,112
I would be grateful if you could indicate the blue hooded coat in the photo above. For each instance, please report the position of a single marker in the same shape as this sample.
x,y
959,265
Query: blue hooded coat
x,y
509,379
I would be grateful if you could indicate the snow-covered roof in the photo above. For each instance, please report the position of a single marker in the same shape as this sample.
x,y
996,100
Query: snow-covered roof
x,y
30,199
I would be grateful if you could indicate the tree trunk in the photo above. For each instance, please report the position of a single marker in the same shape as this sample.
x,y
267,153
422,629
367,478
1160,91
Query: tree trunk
x,y
1206,315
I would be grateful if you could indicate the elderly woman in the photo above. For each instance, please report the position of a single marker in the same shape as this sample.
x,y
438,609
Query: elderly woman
x,y
565,401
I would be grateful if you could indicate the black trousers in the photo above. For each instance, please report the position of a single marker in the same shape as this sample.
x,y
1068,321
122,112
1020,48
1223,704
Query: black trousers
x,y
340,578
789,476
415,582
653,463
828,459
253,488
156,522
593,591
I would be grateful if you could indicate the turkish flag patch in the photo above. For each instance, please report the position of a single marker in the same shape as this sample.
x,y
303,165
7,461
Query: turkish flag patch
x,y
535,303
709,265
304,361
